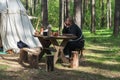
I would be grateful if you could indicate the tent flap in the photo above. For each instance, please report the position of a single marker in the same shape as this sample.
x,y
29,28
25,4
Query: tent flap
x,y
15,25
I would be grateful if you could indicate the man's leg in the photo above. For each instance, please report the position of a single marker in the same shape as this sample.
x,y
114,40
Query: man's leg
x,y
71,46
66,49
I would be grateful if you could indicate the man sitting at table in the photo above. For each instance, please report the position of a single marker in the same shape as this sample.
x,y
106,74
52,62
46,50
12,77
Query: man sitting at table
x,y
71,28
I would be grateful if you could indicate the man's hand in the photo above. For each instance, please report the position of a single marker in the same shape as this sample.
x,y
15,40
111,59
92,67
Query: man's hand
x,y
66,25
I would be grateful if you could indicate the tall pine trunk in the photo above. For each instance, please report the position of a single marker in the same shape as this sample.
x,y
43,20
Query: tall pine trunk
x,y
61,14
44,13
82,13
27,7
67,8
102,14
35,2
78,12
108,14
93,16
116,18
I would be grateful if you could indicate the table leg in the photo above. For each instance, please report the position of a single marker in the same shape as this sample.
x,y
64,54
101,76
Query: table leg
x,y
45,44
56,46
59,49
56,55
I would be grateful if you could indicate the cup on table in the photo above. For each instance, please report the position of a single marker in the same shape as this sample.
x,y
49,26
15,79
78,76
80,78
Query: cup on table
x,y
45,33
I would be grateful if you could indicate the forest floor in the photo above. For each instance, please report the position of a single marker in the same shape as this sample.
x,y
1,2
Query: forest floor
x,y
101,61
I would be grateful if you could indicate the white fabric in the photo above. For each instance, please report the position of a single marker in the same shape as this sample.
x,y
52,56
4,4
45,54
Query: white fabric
x,y
0,42
3,6
11,6
15,25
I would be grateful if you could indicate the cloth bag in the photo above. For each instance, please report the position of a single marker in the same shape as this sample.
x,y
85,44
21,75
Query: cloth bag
x,y
21,44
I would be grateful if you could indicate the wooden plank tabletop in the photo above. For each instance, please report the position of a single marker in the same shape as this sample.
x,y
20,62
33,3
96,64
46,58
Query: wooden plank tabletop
x,y
57,37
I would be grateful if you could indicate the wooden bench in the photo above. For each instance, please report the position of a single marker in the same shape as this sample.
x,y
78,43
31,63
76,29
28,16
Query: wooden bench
x,y
47,51
74,61
30,55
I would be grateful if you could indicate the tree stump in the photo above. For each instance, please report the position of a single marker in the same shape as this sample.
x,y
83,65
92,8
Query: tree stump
x,y
33,60
49,63
32,55
74,63
23,56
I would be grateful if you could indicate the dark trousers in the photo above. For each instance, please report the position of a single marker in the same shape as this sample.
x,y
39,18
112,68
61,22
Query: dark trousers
x,y
71,46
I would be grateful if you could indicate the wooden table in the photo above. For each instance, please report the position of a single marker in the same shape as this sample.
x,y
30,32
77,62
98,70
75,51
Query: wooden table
x,y
58,42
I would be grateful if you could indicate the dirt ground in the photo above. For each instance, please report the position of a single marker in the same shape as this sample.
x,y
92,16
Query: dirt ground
x,y
16,71
86,71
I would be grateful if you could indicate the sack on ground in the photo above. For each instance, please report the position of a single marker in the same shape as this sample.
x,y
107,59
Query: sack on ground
x,y
21,44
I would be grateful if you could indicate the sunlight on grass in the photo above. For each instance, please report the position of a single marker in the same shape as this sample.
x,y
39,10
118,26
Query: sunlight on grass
x,y
2,71
102,54
111,62
3,67
98,71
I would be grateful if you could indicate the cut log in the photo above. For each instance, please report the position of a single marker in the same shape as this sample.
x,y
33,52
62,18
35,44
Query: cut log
x,y
32,56
49,63
23,56
74,62
33,60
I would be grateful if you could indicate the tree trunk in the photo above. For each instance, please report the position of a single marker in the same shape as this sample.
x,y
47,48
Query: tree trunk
x,y
83,9
78,12
38,1
102,15
27,7
93,16
82,13
44,13
116,18
34,6
61,14
65,3
108,14
87,4
67,8
31,7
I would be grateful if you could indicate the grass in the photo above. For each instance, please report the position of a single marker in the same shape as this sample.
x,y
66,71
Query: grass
x,y
101,62
2,73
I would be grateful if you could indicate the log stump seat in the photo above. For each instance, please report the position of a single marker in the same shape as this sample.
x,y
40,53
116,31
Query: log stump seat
x,y
30,55
74,61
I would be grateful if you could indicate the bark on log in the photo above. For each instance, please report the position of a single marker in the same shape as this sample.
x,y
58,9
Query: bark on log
x,y
49,63
74,63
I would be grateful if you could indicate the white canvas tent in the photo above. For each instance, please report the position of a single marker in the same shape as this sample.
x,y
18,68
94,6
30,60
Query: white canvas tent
x,y
15,25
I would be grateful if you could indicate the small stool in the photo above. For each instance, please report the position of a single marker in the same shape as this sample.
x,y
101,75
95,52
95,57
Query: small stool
x,y
74,61
49,63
